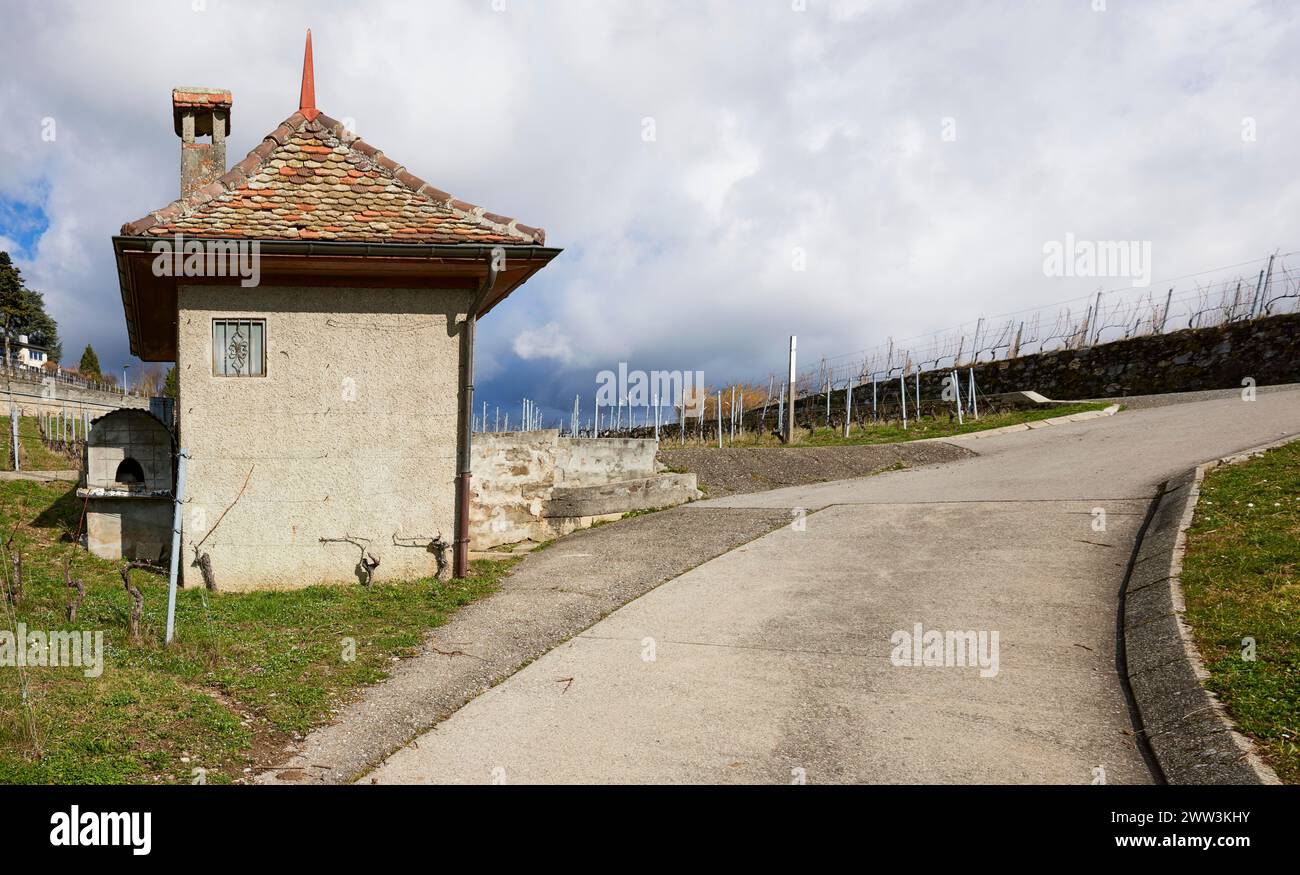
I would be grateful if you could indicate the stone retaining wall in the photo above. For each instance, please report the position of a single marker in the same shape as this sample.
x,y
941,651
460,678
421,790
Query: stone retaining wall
x,y
1264,350
534,486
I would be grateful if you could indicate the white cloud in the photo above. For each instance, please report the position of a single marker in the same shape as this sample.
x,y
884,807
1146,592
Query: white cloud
x,y
548,342
775,129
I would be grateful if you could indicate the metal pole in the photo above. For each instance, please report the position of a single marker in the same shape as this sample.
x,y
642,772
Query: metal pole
x,y
1268,280
956,385
176,542
902,396
1164,317
848,406
719,419
789,413
13,428
974,402
918,392
732,410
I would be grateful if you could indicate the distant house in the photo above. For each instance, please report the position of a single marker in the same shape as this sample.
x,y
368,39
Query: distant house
x,y
29,355
325,402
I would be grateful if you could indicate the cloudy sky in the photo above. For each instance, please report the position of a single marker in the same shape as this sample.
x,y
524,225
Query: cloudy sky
x,y
912,158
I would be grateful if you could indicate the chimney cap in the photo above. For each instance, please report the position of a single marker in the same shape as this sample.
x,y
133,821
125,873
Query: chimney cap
x,y
203,103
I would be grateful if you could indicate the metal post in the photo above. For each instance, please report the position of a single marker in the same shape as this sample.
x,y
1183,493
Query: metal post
x,y
918,392
1164,317
732,418
873,399
848,406
956,385
719,419
176,542
902,396
1268,280
789,413
13,429
974,402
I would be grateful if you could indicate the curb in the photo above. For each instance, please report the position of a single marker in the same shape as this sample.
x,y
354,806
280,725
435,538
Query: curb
x,y
1189,731
1027,426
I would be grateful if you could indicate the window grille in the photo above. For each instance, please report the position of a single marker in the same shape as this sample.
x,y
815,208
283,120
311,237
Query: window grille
x,y
238,347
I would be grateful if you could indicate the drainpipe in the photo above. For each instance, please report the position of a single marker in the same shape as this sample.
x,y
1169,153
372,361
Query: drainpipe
x,y
461,560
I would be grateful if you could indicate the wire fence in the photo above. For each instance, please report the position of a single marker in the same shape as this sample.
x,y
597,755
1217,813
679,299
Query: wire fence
x,y
872,384
15,371
1235,293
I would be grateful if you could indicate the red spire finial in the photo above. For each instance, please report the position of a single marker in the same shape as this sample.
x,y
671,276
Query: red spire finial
x,y
307,98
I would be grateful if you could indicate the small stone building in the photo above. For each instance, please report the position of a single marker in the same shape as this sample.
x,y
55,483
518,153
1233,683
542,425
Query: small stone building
x,y
129,476
323,334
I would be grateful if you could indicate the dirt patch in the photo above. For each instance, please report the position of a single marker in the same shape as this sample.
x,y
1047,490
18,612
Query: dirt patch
x,y
734,471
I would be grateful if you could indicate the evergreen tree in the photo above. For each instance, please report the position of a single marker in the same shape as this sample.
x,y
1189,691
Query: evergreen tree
x,y
169,385
89,366
22,311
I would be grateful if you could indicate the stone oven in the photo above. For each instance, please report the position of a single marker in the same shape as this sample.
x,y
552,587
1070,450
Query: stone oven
x,y
128,476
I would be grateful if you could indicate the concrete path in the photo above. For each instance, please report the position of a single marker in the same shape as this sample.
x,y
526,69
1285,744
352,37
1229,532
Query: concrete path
x,y
553,595
40,476
772,662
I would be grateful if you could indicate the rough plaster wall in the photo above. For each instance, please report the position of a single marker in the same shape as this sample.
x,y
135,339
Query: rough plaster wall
x,y
352,432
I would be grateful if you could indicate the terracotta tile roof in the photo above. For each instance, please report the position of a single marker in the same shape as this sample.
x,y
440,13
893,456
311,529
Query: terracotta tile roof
x,y
314,180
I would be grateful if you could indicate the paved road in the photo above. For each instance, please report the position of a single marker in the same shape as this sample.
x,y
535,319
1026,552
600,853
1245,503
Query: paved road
x,y
772,662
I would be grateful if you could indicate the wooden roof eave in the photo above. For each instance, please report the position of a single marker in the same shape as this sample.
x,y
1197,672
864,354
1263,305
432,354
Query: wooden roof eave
x,y
150,301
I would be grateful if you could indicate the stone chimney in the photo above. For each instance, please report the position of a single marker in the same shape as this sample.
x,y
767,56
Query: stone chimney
x,y
201,112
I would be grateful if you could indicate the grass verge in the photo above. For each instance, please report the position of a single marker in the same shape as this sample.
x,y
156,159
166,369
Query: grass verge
x,y
33,454
1241,580
893,432
247,673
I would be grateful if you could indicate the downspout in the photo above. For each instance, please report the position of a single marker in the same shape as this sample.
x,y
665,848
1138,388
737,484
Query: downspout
x,y
460,566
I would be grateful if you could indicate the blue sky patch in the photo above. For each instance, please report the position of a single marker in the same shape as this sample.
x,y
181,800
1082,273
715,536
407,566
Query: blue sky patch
x,y
23,222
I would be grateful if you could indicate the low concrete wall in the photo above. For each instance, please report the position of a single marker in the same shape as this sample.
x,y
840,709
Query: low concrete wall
x,y
534,486
1190,733
136,528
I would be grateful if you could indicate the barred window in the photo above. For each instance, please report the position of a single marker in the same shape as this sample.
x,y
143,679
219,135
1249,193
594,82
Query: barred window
x,y
238,347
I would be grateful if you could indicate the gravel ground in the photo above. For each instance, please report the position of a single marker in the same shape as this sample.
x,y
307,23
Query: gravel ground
x,y
552,595
742,470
